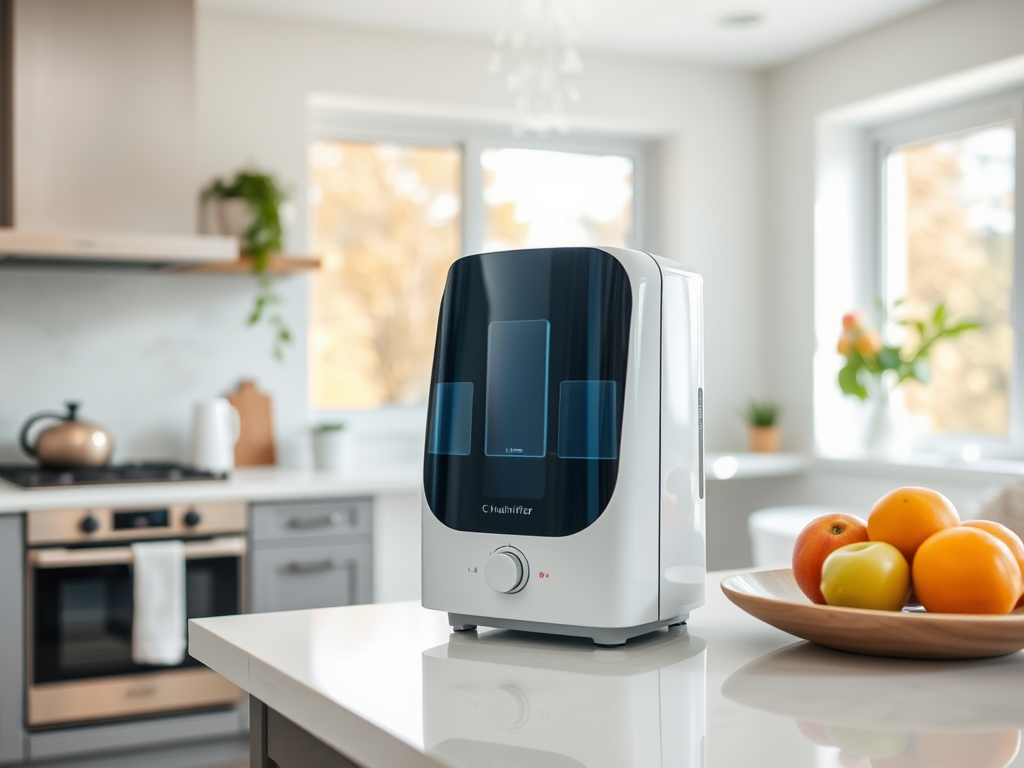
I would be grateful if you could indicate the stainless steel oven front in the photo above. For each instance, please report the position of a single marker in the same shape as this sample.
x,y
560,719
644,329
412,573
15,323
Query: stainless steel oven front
x,y
80,606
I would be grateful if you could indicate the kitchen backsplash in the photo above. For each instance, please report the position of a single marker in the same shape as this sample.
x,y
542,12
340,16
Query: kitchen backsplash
x,y
137,349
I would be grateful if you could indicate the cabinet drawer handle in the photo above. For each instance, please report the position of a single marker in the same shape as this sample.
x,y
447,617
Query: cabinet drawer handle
x,y
311,566
322,521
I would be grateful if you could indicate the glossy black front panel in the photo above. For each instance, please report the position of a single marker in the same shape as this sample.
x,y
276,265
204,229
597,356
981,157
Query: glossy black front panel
x,y
83,616
526,396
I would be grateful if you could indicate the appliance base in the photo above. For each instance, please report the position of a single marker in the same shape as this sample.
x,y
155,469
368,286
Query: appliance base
x,y
461,622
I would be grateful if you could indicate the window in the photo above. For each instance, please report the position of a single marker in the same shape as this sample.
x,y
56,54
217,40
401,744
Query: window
x,y
542,198
388,217
386,225
948,211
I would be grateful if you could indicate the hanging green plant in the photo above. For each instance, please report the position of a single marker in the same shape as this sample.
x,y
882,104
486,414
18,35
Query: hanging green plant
x,y
262,236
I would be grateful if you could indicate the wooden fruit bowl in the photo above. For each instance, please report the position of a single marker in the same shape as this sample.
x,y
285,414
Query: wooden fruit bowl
x,y
774,598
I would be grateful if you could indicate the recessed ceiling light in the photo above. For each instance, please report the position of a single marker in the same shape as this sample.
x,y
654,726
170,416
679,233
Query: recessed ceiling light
x,y
741,19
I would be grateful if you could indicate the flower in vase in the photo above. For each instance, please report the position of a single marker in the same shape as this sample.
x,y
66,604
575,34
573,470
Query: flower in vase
x,y
869,357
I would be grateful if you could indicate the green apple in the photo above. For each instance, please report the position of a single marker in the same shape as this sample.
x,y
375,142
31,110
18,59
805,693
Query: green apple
x,y
874,743
868,574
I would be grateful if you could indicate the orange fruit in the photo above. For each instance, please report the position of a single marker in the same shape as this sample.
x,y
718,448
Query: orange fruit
x,y
1005,535
965,570
907,516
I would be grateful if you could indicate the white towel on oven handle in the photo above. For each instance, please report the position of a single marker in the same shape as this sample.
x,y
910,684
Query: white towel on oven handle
x,y
158,627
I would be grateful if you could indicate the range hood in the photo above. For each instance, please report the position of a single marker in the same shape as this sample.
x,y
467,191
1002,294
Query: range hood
x,y
98,134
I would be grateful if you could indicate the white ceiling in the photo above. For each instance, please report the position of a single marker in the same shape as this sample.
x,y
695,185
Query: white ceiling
x,y
681,29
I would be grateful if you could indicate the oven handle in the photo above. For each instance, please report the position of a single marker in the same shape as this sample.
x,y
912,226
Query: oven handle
x,y
226,546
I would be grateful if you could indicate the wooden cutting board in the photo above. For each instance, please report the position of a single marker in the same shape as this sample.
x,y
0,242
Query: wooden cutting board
x,y
255,446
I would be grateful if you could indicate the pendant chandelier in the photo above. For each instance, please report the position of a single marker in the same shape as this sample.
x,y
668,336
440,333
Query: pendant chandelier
x,y
536,52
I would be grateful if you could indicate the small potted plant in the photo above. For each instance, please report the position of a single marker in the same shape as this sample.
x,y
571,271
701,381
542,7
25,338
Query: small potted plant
x,y
330,452
762,418
248,207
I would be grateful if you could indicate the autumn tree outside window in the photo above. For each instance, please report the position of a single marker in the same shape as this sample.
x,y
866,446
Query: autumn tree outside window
x,y
388,217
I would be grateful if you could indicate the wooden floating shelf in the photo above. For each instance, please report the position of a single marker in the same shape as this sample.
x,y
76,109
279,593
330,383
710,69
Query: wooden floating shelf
x,y
278,264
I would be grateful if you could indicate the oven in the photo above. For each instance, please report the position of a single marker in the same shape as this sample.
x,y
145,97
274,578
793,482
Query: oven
x,y
80,606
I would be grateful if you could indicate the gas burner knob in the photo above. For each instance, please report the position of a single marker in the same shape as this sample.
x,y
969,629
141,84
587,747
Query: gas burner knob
x,y
506,570
192,518
89,524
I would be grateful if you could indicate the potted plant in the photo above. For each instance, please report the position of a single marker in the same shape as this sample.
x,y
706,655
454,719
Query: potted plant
x,y
875,370
330,452
762,417
248,207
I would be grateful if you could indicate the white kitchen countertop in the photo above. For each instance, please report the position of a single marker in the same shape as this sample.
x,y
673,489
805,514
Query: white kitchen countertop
x,y
392,685
248,484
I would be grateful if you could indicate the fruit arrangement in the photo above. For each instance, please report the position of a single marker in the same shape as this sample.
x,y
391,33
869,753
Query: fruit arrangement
x,y
912,547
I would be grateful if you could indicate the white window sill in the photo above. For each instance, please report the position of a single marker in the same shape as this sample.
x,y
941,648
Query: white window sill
x,y
921,465
917,468
742,466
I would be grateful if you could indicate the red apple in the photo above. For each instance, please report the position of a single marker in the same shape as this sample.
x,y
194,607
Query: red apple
x,y
819,539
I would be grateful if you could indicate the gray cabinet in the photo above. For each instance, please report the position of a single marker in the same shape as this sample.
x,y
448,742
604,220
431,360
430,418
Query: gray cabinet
x,y
312,554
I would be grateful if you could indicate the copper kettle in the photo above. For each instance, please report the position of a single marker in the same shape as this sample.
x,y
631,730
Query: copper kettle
x,y
71,443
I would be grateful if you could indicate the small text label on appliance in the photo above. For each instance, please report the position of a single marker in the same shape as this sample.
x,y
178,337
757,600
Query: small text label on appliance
x,y
490,509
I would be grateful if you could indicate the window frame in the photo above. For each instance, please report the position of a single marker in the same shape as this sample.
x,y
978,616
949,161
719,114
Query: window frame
x,y
329,122
933,125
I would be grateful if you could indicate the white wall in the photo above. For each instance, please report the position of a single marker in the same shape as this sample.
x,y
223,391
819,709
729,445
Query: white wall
x,y
256,72
138,350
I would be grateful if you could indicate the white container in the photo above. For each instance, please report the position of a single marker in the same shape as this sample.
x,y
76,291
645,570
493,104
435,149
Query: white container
x,y
331,450
564,470
215,430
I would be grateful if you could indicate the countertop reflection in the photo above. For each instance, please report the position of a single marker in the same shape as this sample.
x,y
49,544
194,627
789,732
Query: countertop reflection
x,y
508,699
392,685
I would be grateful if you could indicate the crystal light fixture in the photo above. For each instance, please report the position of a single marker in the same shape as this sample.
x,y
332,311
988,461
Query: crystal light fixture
x,y
537,53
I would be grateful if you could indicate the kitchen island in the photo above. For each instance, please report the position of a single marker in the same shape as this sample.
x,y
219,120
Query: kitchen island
x,y
392,685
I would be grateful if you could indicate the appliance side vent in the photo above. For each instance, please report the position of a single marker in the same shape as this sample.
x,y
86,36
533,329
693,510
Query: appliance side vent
x,y
6,113
700,439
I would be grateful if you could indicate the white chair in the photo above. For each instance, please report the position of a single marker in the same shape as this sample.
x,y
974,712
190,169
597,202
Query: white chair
x,y
773,532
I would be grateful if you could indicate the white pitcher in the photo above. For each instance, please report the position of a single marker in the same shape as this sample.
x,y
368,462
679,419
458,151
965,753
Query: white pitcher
x,y
215,430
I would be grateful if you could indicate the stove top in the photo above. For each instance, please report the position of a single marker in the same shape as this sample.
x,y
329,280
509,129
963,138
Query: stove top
x,y
24,476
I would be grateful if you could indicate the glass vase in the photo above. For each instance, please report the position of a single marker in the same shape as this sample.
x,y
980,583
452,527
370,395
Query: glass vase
x,y
890,432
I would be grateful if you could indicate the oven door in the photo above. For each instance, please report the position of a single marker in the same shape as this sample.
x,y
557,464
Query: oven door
x,y
81,604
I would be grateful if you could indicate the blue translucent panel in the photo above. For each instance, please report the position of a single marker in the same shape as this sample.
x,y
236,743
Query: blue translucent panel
x,y
517,389
452,432
588,424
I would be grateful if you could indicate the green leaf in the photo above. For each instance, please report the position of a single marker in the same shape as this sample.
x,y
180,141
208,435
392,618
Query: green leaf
x,y
967,325
939,317
849,383
889,358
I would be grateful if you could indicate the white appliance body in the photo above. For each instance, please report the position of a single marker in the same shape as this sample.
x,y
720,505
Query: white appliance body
x,y
609,544
215,430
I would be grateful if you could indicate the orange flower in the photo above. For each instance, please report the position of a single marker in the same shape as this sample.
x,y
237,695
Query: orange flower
x,y
846,342
869,343
853,320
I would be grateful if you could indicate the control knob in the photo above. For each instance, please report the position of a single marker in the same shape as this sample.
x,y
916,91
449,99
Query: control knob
x,y
506,570
192,518
507,707
89,524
